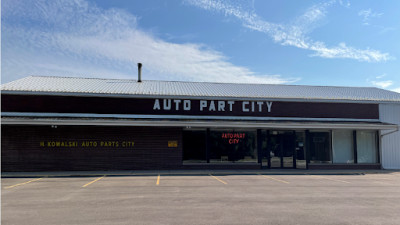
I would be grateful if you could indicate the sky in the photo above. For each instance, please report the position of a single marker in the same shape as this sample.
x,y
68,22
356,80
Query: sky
x,y
325,43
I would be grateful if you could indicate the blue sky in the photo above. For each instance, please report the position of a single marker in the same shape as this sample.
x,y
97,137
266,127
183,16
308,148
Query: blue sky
x,y
334,43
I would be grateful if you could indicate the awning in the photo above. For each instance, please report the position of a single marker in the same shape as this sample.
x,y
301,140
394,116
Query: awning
x,y
264,124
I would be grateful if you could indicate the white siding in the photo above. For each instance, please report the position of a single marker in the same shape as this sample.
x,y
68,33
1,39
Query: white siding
x,y
390,113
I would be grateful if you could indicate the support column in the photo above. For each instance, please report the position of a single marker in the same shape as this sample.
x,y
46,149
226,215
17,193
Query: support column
x,y
259,146
378,146
355,145
281,148
294,150
268,149
308,145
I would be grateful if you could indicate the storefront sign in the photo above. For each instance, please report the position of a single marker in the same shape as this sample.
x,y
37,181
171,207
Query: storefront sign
x,y
186,107
233,138
211,106
172,144
87,144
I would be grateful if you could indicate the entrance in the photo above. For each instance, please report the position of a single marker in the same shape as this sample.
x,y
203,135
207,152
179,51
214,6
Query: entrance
x,y
281,149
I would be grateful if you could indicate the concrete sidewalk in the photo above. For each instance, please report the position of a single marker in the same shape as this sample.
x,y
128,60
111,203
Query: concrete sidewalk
x,y
191,172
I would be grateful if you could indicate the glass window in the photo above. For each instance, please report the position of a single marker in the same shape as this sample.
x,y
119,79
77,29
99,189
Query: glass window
x,y
320,147
194,146
342,146
233,146
367,151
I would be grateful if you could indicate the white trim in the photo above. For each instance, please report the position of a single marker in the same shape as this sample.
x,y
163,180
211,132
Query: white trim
x,y
209,124
185,117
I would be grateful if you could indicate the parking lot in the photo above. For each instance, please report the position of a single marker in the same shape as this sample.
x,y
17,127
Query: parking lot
x,y
209,198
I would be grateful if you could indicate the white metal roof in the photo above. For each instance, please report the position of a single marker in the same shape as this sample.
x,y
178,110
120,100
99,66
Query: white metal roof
x,y
132,88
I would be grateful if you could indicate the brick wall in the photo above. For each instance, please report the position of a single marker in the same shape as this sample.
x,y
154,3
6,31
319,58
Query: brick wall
x,y
43,148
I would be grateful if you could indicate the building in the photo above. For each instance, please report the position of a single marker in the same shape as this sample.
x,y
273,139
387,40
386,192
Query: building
x,y
65,123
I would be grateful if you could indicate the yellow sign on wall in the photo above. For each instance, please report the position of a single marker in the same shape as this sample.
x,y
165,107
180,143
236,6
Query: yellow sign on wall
x,y
172,144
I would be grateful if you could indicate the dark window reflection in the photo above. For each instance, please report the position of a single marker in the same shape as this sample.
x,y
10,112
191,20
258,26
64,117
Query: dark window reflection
x,y
194,146
233,146
320,147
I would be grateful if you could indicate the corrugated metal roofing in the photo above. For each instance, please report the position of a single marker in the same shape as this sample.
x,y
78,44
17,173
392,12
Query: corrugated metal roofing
x,y
83,86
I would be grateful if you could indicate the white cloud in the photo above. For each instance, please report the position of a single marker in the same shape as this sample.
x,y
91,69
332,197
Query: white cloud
x,y
378,82
382,84
345,3
76,38
295,33
396,90
367,14
381,76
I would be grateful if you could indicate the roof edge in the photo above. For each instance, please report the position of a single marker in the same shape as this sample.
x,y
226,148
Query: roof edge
x,y
107,95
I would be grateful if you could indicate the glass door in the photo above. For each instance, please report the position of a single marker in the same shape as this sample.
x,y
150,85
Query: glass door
x,y
281,149
300,150
274,149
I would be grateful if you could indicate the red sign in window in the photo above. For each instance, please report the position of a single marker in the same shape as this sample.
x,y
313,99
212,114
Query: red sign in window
x,y
233,138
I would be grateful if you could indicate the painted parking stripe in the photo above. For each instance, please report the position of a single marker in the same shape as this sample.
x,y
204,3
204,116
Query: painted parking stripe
x,y
273,178
91,182
218,179
15,185
326,178
380,182
158,180
373,177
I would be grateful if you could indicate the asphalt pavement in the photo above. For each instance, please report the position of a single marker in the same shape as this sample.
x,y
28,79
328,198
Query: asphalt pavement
x,y
202,197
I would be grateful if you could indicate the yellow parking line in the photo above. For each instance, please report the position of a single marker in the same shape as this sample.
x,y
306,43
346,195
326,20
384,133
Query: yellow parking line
x,y
218,179
91,182
158,180
273,178
330,179
15,185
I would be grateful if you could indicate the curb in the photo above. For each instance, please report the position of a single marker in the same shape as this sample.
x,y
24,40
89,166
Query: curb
x,y
188,173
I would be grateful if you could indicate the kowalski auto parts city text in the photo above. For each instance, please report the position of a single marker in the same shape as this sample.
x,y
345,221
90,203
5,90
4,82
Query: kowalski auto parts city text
x,y
92,144
211,105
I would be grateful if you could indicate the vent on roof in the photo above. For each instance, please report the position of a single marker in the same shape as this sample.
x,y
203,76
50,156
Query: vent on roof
x,y
139,65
